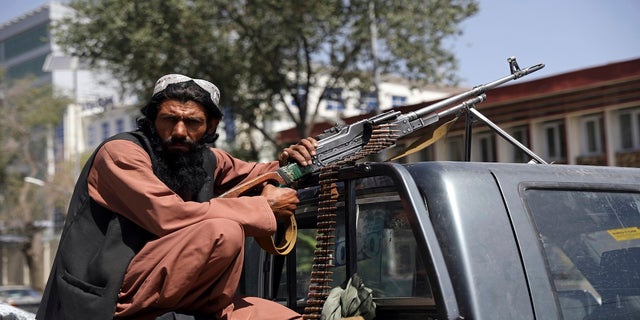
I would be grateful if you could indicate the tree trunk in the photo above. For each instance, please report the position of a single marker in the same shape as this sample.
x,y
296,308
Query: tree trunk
x,y
33,252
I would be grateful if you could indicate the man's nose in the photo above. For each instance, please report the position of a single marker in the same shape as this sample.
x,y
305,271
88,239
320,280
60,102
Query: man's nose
x,y
179,130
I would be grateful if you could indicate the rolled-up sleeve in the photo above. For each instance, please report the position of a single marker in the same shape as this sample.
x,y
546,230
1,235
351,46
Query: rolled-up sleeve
x,y
122,180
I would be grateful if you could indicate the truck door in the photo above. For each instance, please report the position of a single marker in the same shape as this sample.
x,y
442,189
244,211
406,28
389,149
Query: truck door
x,y
578,229
383,235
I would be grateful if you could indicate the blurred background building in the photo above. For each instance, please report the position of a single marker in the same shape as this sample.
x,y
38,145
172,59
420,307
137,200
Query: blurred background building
x,y
98,110
589,116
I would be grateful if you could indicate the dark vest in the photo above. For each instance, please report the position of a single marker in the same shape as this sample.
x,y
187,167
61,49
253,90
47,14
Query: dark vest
x,y
96,247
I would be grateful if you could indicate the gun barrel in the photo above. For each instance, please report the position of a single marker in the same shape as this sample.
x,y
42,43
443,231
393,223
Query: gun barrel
x,y
410,122
467,104
478,90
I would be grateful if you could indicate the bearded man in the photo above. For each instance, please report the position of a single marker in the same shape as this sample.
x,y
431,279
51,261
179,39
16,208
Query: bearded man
x,y
145,236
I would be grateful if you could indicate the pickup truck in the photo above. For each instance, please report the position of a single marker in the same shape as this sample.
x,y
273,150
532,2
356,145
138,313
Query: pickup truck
x,y
465,240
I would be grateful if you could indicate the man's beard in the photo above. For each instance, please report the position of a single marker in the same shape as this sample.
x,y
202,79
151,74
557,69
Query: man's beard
x,y
182,172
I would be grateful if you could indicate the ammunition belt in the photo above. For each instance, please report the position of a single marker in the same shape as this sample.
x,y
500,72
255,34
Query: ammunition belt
x,y
382,137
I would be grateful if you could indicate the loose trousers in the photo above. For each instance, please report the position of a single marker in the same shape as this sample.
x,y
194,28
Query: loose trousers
x,y
196,271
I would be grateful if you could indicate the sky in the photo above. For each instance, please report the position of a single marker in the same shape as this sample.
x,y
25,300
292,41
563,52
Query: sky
x,y
564,35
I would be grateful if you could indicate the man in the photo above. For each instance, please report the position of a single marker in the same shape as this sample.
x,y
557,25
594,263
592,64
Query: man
x,y
145,236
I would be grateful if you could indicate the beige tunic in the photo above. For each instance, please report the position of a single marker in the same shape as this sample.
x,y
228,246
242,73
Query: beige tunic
x,y
195,264
122,180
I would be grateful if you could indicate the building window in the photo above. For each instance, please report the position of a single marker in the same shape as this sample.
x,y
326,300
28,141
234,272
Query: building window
x,y
298,94
229,120
333,96
397,101
629,124
92,138
554,137
426,154
120,125
368,101
106,130
520,133
485,148
31,67
592,135
26,41
455,148
58,148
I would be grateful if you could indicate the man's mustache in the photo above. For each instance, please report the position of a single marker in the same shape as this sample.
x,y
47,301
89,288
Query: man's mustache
x,y
173,141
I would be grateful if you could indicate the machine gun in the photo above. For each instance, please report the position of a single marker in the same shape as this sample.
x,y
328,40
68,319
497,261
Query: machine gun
x,y
343,144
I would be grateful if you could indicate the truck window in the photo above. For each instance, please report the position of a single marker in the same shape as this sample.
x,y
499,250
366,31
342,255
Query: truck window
x,y
387,257
303,254
388,260
592,244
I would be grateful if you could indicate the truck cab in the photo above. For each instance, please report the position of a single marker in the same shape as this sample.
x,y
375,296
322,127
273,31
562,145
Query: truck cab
x,y
465,240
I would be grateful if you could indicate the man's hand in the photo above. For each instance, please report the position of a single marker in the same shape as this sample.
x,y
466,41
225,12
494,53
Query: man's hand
x,y
300,152
283,201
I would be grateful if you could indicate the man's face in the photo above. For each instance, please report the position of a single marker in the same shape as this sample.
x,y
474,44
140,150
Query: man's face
x,y
180,125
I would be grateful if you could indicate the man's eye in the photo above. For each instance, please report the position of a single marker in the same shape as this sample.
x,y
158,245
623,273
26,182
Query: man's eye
x,y
193,122
170,118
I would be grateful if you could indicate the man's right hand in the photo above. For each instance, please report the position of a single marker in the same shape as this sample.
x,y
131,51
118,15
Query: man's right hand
x,y
283,201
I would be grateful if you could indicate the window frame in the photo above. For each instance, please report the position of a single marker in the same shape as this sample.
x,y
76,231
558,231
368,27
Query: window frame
x,y
398,101
485,147
633,130
588,138
521,134
334,100
555,146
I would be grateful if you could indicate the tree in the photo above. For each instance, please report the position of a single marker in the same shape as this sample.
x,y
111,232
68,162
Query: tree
x,y
263,53
30,111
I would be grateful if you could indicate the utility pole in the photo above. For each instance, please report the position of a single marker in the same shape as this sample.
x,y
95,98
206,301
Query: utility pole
x,y
374,53
373,27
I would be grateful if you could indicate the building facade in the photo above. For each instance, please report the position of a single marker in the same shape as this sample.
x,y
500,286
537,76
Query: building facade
x,y
28,49
589,116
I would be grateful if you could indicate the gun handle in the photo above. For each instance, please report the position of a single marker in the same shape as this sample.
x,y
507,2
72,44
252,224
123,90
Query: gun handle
x,y
267,243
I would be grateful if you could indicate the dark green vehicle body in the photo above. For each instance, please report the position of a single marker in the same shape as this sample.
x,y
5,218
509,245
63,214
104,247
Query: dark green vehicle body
x,y
464,240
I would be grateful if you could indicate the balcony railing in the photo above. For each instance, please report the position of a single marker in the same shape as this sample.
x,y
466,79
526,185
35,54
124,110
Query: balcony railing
x,y
628,159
